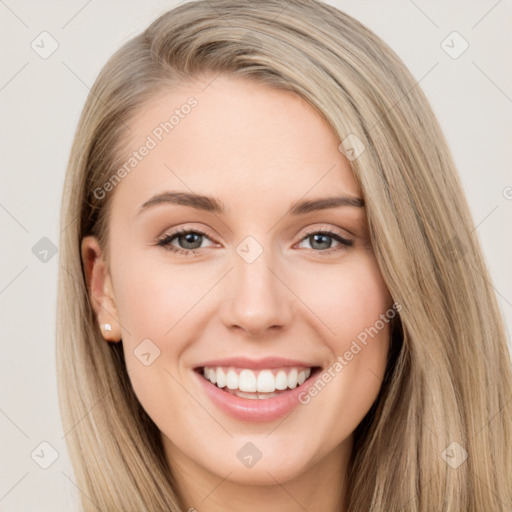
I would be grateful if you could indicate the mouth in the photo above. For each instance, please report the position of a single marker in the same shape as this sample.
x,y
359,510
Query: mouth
x,y
256,391
261,384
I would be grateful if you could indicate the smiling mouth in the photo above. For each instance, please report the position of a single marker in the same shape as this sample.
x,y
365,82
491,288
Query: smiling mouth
x,y
257,384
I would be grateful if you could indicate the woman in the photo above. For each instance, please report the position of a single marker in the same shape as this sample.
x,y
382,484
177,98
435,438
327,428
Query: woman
x,y
271,296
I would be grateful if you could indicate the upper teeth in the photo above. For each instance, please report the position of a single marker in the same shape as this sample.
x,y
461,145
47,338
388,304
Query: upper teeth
x,y
263,381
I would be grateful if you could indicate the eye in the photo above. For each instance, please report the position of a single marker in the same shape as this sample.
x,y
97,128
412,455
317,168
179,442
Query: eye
x,y
322,241
189,241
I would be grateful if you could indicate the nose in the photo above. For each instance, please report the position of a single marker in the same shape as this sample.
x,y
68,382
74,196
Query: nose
x,y
258,300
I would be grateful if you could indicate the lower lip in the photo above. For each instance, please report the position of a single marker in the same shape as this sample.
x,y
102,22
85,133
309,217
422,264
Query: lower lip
x,y
256,410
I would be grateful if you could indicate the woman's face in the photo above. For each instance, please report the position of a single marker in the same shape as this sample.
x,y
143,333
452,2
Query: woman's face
x,y
268,285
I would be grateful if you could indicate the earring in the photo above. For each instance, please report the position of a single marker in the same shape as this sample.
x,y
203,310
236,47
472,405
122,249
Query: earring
x,y
107,327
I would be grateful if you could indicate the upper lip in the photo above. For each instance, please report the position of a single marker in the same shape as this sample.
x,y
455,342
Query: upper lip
x,y
256,364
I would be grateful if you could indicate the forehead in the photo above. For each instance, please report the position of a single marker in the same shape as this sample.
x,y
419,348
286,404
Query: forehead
x,y
226,136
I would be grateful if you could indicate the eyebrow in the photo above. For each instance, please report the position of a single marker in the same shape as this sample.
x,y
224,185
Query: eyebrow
x,y
213,205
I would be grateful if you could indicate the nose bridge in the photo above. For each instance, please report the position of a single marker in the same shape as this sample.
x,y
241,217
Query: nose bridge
x,y
258,300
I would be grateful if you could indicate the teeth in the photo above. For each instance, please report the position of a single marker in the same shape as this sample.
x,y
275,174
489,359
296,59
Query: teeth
x,y
266,382
221,377
260,384
246,381
282,380
232,380
252,396
292,378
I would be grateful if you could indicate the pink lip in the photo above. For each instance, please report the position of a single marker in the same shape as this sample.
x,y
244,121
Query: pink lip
x,y
265,363
257,410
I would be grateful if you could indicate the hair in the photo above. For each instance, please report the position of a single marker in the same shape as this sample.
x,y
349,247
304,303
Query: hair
x,y
449,376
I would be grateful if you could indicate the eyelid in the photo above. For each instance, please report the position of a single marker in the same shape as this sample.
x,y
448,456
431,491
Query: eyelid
x,y
176,232
182,230
343,243
325,229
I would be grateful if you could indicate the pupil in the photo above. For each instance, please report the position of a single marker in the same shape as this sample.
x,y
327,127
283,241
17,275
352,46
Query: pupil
x,y
318,239
189,239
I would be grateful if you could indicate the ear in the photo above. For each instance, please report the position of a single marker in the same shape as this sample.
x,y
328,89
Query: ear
x,y
99,286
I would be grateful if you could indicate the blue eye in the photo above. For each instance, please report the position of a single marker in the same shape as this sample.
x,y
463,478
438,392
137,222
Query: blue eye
x,y
322,240
188,238
190,241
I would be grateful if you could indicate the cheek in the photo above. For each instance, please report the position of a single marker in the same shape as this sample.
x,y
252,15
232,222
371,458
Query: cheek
x,y
348,298
153,302
156,303
152,298
352,302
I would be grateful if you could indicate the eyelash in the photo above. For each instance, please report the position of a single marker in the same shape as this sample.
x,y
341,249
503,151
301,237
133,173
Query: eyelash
x,y
165,241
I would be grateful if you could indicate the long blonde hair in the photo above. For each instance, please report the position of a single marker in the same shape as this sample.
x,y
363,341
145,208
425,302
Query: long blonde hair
x,y
449,377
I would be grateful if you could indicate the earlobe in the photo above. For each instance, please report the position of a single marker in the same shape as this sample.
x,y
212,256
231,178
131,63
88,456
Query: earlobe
x,y
99,287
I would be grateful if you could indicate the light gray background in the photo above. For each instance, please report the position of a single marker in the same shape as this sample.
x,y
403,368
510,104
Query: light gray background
x,y
40,102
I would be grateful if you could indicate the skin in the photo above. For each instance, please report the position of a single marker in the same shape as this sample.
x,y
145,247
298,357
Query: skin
x,y
257,150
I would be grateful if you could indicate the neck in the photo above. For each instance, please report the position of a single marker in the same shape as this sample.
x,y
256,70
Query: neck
x,y
322,486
